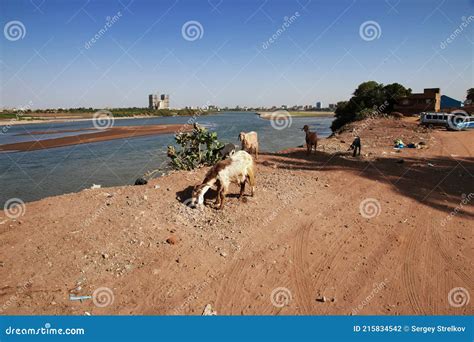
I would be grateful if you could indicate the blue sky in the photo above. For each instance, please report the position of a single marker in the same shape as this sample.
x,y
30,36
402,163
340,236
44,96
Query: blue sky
x,y
320,56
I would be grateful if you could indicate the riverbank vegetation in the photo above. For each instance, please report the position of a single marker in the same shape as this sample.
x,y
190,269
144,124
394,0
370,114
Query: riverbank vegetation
x,y
369,99
199,147
86,113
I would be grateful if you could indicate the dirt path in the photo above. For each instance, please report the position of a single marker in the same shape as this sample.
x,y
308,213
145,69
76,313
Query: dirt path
x,y
325,234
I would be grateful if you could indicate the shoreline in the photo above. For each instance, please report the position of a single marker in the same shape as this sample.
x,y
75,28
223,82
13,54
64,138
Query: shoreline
x,y
54,118
296,114
14,122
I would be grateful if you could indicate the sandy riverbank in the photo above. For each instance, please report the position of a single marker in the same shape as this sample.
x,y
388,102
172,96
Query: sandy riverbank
x,y
112,133
308,231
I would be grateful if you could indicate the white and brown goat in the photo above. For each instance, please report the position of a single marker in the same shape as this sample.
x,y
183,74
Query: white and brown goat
x,y
239,168
249,142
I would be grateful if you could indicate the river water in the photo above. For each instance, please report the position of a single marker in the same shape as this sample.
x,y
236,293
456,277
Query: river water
x,y
37,174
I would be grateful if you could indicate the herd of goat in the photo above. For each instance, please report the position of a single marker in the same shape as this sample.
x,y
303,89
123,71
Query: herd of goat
x,y
238,167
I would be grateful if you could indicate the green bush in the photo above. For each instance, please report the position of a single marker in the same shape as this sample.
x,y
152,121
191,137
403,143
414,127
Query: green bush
x,y
199,147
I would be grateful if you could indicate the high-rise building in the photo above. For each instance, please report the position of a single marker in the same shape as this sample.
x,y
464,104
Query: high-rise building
x,y
164,102
319,105
151,101
156,101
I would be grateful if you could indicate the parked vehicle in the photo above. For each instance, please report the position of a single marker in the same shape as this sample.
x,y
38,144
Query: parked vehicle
x,y
434,119
456,120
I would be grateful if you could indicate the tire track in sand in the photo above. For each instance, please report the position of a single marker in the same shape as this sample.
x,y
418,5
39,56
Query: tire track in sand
x,y
411,265
414,255
300,276
448,259
231,286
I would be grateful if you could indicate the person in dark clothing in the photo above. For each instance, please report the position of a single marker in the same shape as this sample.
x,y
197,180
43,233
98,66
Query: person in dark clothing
x,y
356,146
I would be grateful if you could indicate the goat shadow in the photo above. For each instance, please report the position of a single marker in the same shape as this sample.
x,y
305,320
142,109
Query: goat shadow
x,y
185,195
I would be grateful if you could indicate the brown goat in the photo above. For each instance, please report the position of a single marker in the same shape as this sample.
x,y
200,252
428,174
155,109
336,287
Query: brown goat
x,y
311,139
249,142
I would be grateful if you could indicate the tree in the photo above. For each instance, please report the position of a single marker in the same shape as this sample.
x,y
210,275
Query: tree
x,y
370,98
394,92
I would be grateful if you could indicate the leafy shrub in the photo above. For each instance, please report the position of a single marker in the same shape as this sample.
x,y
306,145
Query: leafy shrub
x,y
199,147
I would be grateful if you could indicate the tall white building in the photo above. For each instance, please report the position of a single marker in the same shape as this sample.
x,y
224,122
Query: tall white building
x,y
156,101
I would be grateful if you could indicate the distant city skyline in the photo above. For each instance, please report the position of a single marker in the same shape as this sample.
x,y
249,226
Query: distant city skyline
x,y
247,53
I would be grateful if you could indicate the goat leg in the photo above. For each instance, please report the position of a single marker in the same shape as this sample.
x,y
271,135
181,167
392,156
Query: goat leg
x,y
222,197
242,189
218,201
219,188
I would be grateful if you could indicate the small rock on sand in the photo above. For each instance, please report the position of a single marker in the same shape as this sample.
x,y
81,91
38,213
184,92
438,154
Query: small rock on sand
x,y
172,240
321,299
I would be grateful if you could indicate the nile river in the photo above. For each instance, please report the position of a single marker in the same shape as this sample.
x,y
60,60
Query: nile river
x,y
42,173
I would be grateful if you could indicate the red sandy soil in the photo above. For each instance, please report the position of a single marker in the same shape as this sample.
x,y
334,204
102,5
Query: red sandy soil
x,y
100,135
303,231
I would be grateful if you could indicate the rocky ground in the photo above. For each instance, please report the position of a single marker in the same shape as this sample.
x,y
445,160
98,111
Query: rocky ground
x,y
388,232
